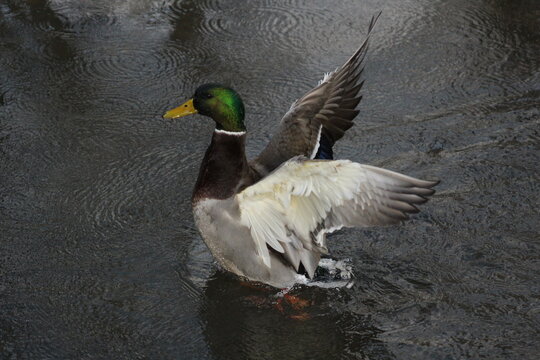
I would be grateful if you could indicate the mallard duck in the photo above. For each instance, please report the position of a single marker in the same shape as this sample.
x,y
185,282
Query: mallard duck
x,y
266,219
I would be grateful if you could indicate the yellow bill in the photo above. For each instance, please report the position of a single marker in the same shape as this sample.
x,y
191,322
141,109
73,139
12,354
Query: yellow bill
x,y
186,108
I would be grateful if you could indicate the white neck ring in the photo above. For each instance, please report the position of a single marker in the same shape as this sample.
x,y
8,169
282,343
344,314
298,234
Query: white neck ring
x,y
234,133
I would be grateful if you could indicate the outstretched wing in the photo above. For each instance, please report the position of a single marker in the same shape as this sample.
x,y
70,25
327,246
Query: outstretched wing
x,y
293,208
320,116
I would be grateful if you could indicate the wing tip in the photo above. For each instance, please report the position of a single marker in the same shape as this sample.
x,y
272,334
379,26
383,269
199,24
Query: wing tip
x,y
373,20
428,188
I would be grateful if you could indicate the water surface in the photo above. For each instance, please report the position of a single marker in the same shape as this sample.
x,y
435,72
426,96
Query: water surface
x,y
99,257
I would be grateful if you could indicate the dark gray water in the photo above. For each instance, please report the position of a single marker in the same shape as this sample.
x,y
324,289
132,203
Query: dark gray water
x,y
99,257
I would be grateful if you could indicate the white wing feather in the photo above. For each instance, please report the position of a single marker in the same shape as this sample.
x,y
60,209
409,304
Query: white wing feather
x,y
305,199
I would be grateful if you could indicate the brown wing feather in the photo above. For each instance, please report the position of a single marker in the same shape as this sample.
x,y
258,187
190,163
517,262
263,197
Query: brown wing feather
x,y
329,108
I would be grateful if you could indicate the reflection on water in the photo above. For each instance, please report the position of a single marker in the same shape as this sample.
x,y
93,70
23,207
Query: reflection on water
x,y
246,322
99,257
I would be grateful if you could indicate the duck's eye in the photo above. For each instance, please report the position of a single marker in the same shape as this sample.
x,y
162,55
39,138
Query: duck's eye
x,y
209,96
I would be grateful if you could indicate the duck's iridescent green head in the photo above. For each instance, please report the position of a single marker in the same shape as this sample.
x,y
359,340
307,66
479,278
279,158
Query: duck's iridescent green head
x,y
221,103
